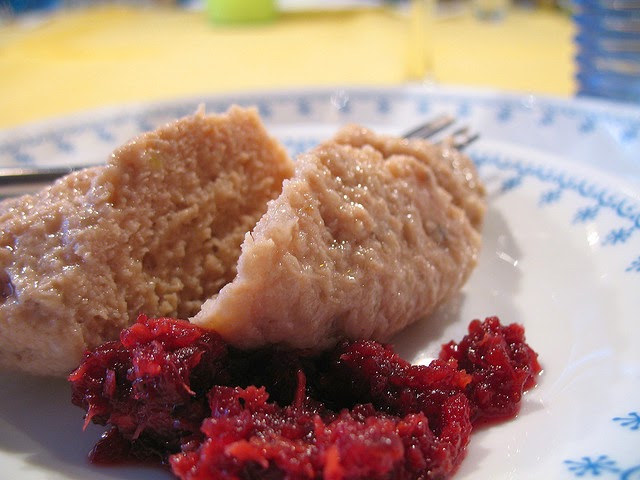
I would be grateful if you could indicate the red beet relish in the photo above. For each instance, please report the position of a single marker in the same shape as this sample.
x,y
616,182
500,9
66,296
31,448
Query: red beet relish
x,y
177,395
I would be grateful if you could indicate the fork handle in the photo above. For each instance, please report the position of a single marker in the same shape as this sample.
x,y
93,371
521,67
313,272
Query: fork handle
x,y
25,175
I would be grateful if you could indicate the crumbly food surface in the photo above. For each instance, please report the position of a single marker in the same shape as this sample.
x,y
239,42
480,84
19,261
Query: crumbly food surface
x,y
370,234
157,230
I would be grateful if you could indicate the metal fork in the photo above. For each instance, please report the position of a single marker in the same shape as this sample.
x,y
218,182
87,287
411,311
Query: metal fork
x,y
13,179
460,138
26,175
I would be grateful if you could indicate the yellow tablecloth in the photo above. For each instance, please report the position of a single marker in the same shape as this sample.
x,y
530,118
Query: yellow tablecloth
x,y
103,55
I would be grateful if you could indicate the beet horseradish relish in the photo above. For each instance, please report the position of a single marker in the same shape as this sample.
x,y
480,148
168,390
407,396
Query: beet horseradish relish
x,y
178,396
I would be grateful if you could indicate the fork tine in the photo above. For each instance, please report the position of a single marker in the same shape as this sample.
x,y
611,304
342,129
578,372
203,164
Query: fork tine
x,y
461,138
432,127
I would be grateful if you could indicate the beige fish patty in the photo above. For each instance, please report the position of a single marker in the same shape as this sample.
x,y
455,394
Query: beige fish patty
x,y
157,230
370,234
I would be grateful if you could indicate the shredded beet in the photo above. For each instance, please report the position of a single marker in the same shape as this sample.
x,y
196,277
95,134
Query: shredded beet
x,y
501,364
150,387
176,395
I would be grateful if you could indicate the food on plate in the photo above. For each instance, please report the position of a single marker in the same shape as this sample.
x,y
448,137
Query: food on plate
x,y
371,233
172,392
157,230
366,234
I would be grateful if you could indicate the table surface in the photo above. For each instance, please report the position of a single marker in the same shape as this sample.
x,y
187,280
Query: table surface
x,y
74,60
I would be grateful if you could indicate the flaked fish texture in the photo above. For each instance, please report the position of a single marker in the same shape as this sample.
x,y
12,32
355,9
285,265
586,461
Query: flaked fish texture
x,y
370,234
157,230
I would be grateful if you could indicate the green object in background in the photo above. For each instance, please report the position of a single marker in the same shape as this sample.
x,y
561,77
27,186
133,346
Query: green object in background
x,y
241,11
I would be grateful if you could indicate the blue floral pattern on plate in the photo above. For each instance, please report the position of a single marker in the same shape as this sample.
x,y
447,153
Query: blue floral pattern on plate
x,y
326,105
605,466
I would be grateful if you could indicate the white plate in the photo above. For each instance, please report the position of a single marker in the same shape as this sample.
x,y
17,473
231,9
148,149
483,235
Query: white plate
x,y
561,256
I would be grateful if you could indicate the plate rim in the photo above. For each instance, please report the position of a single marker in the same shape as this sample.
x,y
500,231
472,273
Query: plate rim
x,y
616,110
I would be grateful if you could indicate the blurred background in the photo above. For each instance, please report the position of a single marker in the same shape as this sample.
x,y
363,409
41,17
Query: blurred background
x,y
62,56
